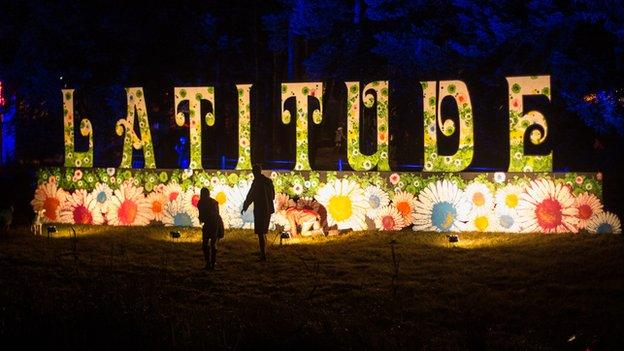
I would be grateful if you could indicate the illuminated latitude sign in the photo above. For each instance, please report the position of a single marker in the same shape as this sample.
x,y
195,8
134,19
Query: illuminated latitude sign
x,y
529,198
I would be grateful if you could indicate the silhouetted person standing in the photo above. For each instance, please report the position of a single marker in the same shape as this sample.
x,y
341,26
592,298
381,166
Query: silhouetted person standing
x,y
212,229
261,194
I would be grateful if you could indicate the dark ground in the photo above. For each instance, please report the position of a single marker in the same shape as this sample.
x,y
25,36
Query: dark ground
x,y
129,288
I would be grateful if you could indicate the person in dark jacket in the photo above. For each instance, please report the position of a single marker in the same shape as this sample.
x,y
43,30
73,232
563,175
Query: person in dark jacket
x,y
261,194
212,229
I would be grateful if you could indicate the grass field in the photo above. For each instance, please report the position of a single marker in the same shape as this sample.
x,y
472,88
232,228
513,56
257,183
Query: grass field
x,y
128,288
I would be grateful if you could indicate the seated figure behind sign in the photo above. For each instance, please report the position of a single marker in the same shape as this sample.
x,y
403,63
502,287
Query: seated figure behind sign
x,y
310,215
307,219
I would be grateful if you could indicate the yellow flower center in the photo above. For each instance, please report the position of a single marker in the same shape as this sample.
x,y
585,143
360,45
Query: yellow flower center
x,y
511,200
481,223
340,207
221,198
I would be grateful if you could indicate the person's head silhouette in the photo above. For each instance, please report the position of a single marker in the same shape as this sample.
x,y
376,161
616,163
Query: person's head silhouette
x,y
204,193
256,170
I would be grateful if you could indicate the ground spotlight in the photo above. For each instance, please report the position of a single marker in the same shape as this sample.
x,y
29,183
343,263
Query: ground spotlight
x,y
284,235
174,234
51,229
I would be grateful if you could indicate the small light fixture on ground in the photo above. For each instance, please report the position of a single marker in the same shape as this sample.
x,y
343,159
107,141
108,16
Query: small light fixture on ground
x,y
51,229
174,234
453,239
284,235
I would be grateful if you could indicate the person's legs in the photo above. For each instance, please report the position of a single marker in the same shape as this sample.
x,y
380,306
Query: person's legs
x,y
213,252
262,244
205,248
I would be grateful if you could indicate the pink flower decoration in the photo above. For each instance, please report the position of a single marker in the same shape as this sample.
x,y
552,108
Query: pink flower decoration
x,y
395,178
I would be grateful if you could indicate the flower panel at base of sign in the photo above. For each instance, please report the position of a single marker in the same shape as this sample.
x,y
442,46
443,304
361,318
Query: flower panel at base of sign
x,y
545,203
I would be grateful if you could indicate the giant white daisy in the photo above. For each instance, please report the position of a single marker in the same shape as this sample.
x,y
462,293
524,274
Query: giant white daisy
x,y
235,198
172,191
588,206
479,196
81,208
345,203
405,203
181,213
508,198
377,198
50,198
157,202
442,207
389,218
102,194
191,195
129,206
605,223
548,208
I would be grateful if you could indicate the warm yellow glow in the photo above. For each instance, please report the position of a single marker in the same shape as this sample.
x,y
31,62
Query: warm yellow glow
x,y
590,97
